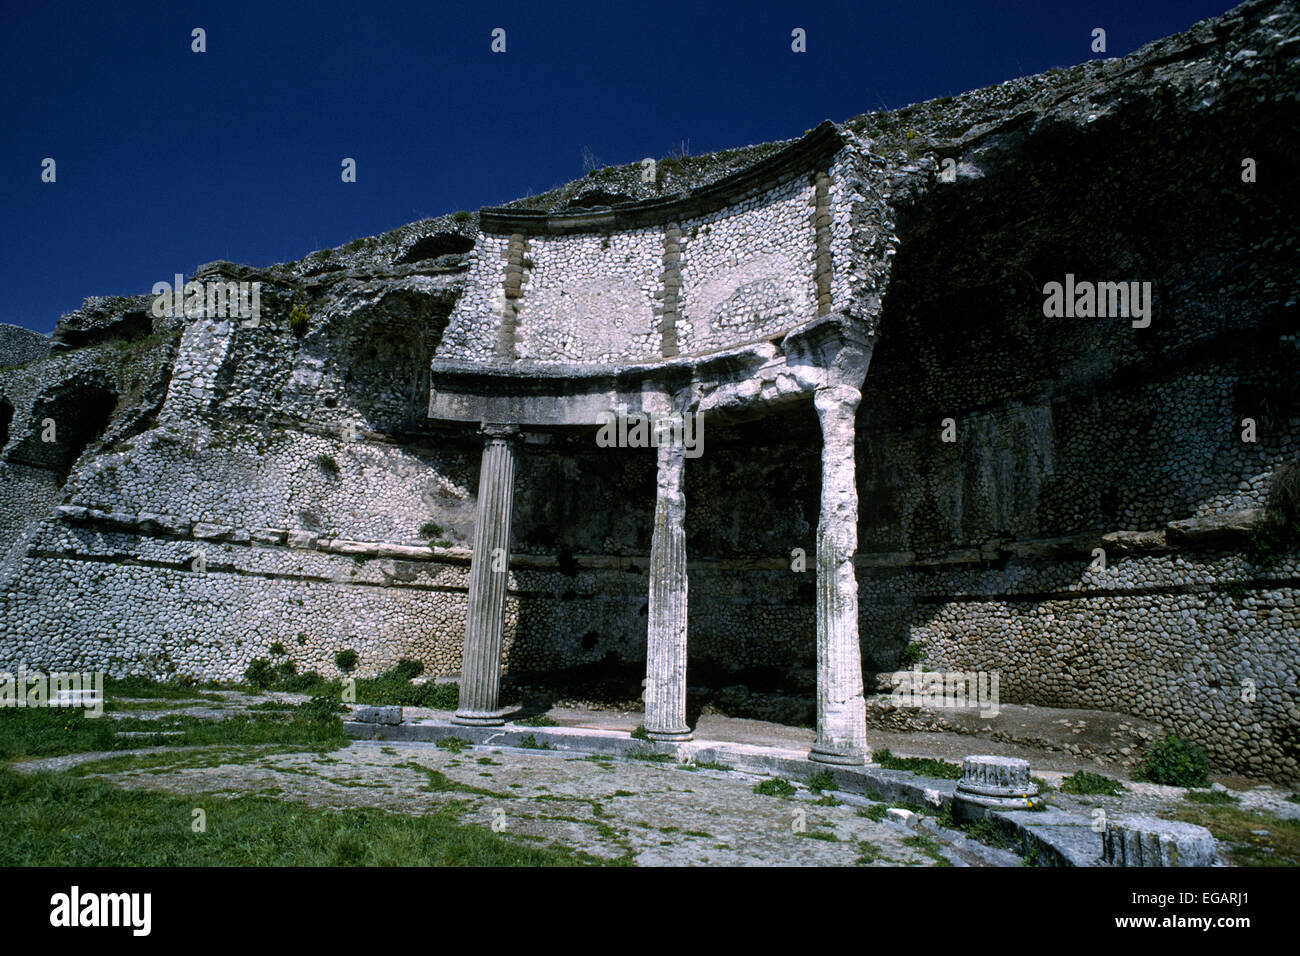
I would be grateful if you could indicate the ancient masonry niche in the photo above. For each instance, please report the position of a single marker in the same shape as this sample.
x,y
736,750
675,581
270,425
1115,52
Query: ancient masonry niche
x,y
738,276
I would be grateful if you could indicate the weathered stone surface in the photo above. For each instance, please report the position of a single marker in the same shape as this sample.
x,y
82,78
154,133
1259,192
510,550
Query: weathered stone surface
x,y
368,714
841,707
993,783
1147,841
489,573
665,696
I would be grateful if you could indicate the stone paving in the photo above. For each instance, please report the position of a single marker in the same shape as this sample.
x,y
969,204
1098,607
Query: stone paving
x,y
653,813
646,811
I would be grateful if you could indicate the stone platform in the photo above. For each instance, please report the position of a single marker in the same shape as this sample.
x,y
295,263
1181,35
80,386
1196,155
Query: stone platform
x,y
1051,836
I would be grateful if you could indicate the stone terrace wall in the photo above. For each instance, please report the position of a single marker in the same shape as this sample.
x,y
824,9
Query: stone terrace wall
x,y
1203,643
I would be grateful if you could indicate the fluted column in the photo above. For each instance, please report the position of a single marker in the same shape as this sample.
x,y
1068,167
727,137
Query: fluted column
x,y
665,689
841,709
489,570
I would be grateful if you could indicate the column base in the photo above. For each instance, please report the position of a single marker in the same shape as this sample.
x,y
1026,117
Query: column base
x,y
478,720
683,734
839,757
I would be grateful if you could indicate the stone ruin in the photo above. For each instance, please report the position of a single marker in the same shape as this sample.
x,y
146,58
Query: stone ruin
x,y
398,456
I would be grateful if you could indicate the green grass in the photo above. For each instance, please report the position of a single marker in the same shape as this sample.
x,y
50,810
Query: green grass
x,y
925,766
142,687
712,765
439,782
868,853
189,758
874,812
927,846
821,780
1213,797
56,820
538,720
133,706
776,787
1235,828
393,687
50,731
1085,782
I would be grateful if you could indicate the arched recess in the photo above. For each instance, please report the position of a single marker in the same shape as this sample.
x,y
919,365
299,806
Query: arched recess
x,y
64,421
384,358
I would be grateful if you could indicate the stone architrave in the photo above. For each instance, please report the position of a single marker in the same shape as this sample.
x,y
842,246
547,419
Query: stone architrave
x,y
665,695
480,681
841,707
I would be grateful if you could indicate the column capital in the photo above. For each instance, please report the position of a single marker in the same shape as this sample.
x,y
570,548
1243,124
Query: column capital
x,y
499,431
830,396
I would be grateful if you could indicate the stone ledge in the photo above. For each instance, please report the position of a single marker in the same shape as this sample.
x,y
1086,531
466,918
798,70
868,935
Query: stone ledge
x,y
1222,531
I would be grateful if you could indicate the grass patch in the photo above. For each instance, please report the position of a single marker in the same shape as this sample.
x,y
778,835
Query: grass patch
x,y
129,706
529,742
189,758
776,787
50,731
874,812
820,781
538,720
712,765
652,758
927,846
439,782
56,820
143,687
454,744
868,853
1234,829
1212,797
925,766
1084,782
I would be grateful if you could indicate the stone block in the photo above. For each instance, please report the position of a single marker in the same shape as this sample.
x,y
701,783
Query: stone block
x,y
367,714
1147,841
164,524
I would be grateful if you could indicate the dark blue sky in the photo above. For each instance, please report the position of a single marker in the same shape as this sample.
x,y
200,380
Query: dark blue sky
x,y
167,158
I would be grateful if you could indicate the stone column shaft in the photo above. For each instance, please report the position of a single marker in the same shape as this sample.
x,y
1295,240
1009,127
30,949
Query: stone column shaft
x,y
480,672
665,689
841,708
